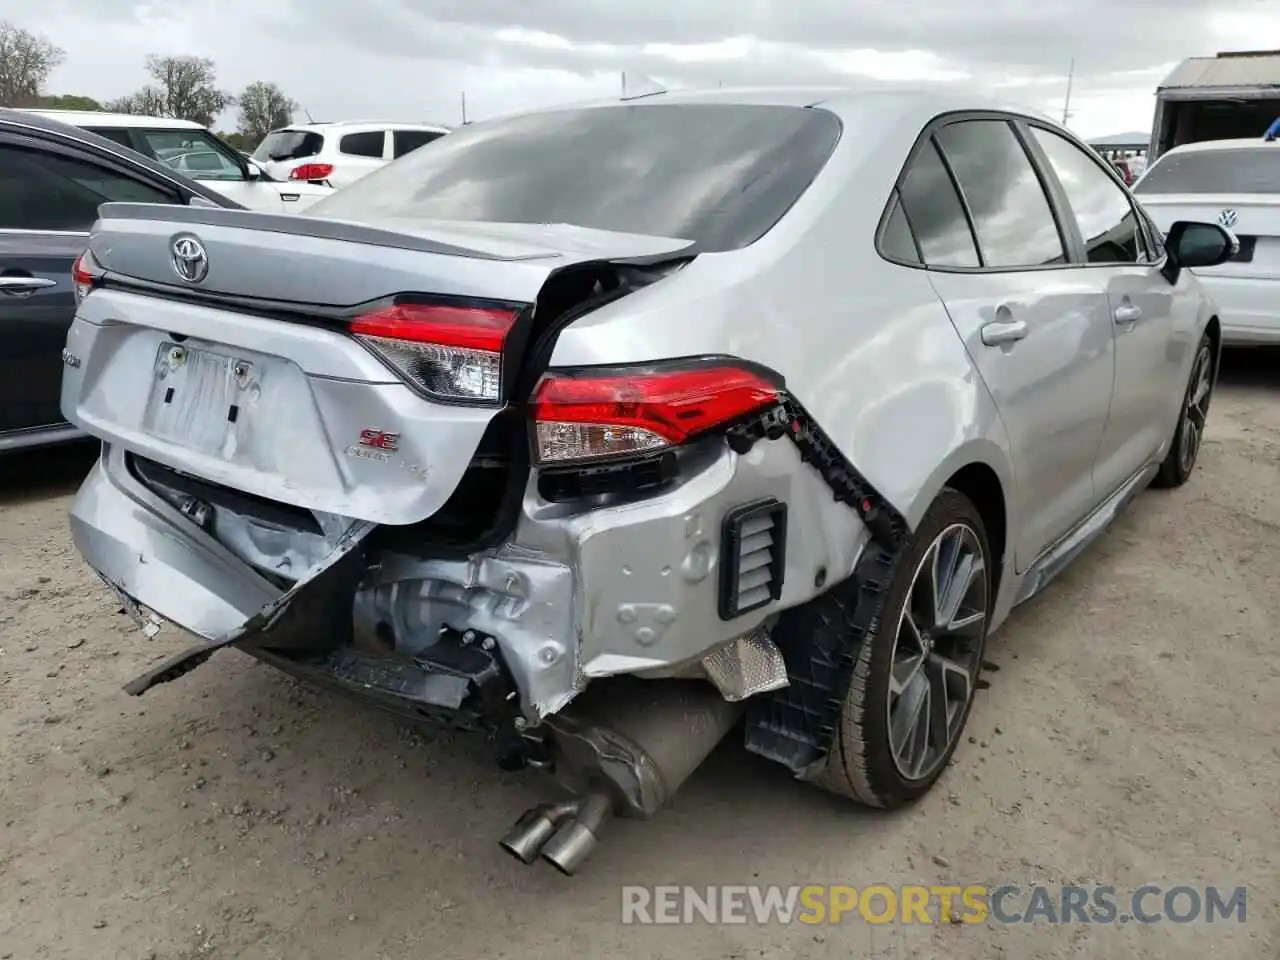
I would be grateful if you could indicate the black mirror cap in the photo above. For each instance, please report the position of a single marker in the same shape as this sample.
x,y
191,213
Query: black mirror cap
x,y
1195,244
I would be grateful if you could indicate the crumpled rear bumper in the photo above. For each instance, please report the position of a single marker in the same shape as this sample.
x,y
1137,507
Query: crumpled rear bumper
x,y
576,594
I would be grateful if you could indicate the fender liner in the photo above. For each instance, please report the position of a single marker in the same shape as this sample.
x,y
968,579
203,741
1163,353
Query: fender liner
x,y
820,640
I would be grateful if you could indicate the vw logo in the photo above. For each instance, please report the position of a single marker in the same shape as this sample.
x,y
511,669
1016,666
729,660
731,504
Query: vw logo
x,y
1228,218
190,262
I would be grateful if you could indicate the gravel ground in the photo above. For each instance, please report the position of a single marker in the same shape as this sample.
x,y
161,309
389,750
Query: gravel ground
x,y
1129,737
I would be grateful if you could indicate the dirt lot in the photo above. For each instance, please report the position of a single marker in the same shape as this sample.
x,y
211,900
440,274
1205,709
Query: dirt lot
x,y
1131,736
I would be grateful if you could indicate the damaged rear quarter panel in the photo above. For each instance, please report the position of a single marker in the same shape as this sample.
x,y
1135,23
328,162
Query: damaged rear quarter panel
x,y
866,346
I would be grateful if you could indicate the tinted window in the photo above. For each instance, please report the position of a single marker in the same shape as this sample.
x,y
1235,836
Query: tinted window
x,y
42,191
405,140
897,241
289,145
717,174
363,144
1107,222
1215,171
115,134
937,218
1011,214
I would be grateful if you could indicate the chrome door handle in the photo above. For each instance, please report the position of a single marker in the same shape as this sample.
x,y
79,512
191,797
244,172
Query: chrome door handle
x,y
21,285
999,332
1128,313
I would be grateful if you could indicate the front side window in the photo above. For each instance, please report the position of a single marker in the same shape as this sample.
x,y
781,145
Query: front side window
x,y
368,144
1106,216
936,214
196,153
1011,214
717,174
46,191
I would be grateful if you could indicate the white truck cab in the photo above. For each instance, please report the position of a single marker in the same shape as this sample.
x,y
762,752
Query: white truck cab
x,y
193,150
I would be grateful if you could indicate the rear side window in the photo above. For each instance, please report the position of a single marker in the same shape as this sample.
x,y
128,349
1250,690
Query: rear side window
x,y
368,144
403,141
1011,214
1214,171
45,191
720,175
936,214
896,241
1103,210
289,145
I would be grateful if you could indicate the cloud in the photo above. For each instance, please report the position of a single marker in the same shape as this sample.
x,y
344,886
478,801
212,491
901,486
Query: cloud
x,y
414,58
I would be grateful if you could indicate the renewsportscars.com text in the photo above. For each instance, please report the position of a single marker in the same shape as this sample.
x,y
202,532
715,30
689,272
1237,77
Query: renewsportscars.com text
x,y
919,904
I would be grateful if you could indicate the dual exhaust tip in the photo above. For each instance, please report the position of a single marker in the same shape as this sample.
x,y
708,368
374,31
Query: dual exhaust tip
x,y
562,834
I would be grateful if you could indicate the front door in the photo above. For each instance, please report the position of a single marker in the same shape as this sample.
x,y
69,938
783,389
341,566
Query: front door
x,y
1150,358
48,201
1038,329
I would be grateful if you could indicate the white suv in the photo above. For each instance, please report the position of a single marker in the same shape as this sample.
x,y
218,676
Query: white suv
x,y
193,150
339,153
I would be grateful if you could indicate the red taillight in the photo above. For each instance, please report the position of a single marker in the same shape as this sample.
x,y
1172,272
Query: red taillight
x,y
587,414
311,171
85,274
450,352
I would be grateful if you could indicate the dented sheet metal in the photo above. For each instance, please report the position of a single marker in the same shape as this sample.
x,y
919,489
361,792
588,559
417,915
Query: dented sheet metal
x,y
322,621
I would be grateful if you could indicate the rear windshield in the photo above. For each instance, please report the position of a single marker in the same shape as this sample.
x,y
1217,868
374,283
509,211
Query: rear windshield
x,y
718,174
1214,171
289,145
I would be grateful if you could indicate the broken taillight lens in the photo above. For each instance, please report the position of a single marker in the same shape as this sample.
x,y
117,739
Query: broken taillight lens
x,y
85,276
449,352
592,414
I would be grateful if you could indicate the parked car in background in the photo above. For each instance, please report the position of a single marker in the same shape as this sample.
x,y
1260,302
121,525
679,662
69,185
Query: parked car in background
x,y
195,152
339,153
508,437
53,177
1235,183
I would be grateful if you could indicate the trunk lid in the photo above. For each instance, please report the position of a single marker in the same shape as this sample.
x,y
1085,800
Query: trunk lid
x,y
248,378
1253,218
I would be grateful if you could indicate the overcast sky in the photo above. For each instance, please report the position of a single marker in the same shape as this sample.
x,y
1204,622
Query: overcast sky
x,y
412,59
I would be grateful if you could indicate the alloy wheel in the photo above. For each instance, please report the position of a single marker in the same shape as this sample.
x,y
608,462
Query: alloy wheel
x,y
1196,411
937,651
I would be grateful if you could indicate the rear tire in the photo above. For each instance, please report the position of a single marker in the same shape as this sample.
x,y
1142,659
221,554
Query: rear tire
x,y
1188,436
922,660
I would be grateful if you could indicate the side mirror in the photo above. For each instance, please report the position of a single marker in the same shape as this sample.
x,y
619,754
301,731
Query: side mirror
x,y
252,170
1193,244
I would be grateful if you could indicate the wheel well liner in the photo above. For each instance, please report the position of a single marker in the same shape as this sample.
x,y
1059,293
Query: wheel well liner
x,y
981,485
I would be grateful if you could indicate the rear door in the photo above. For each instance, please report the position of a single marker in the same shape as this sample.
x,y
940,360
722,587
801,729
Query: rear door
x,y
359,153
1150,319
49,197
1037,327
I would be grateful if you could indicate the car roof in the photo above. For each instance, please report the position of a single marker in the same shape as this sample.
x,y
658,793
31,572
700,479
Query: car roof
x,y
319,126
1214,146
45,127
94,118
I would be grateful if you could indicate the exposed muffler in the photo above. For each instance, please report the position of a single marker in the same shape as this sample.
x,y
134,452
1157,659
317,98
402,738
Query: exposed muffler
x,y
624,748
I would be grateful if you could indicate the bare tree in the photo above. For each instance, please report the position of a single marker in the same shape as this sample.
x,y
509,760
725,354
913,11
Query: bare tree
x,y
184,89
263,108
26,60
147,102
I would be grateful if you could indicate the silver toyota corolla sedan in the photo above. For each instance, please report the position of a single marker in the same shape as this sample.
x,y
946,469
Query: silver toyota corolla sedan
x,y
603,429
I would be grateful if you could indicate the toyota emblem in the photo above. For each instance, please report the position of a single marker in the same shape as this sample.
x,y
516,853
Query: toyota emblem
x,y
189,259
1228,218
